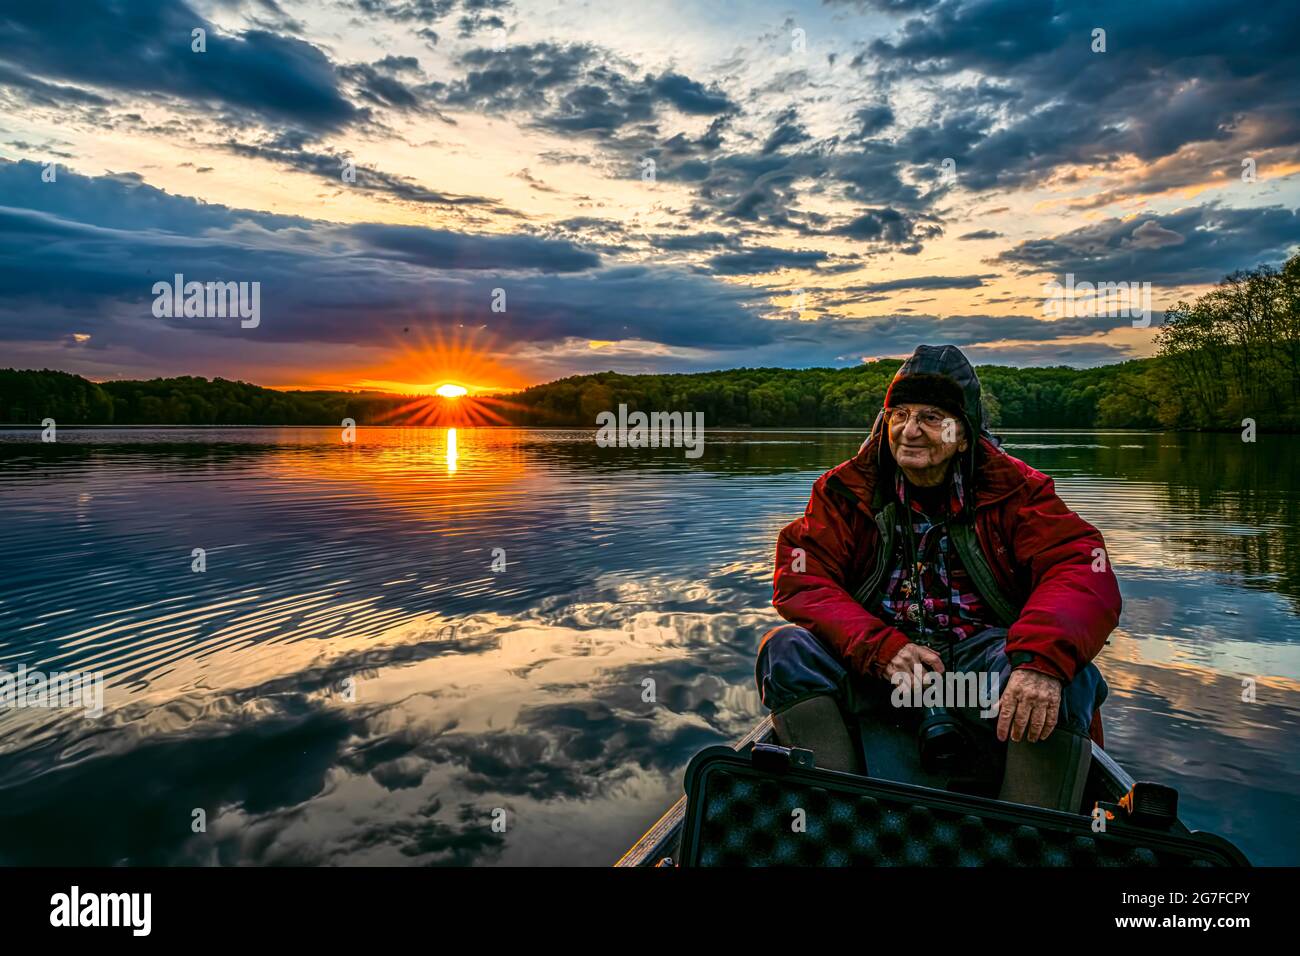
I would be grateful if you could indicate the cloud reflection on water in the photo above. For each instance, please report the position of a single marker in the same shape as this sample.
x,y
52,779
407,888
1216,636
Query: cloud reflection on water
x,y
523,690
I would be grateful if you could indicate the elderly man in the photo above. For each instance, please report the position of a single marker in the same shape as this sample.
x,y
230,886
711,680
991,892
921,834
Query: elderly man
x,y
931,550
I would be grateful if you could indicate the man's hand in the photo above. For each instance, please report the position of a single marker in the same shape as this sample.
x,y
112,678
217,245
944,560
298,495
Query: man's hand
x,y
908,660
1029,706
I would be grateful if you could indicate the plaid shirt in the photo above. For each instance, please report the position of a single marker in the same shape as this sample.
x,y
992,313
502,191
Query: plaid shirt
x,y
953,608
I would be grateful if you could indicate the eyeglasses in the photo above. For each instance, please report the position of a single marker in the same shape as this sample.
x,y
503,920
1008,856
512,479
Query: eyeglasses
x,y
930,419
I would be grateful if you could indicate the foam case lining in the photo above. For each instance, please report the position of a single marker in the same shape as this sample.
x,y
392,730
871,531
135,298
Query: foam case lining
x,y
739,814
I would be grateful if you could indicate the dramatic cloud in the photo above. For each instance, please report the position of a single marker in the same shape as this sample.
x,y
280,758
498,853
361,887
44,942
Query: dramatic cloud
x,y
447,250
91,252
330,166
645,200
572,88
144,47
691,97
327,282
427,11
928,282
1193,245
764,260
1170,76
891,226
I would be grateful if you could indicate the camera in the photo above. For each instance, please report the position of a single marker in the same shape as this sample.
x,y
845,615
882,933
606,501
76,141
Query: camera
x,y
941,741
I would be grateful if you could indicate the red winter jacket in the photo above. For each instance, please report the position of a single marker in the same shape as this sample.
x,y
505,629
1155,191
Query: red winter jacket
x,y
1040,551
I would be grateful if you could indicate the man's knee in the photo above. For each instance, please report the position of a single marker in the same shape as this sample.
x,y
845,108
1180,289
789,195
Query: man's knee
x,y
1080,698
787,645
784,634
794,665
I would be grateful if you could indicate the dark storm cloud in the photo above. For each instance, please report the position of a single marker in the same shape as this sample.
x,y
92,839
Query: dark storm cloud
x,y
1193,245
143,47
44,149
329,166
85,261
831,342
690,96
37,92
872,172
477,22
590,224
398,64
426,11
381,88
421,11
1015,95
437,249
518,77
763,187
752,261
885,6
788,132
693,241
747,186
892,227
573,88
981,234
681,146
928,282
872,119
96,257
113,203
384,84
1066,104
265,14
892,333
89,211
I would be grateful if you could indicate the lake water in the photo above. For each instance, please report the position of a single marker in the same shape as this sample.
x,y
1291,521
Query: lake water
x,y
350,682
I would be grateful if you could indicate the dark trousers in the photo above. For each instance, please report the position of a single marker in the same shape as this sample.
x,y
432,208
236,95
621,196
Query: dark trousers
x,y
793,665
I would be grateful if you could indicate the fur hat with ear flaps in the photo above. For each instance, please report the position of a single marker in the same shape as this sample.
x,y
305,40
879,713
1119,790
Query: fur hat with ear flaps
x,y
938,375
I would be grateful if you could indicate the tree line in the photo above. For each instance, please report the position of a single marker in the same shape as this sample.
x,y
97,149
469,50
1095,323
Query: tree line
x,y
27,397
1231,354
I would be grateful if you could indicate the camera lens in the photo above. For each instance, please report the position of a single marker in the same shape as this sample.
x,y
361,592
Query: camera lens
x,y
940,740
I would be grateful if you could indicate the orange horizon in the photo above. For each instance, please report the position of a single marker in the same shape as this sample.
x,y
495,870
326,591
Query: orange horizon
x,y
399,388
422,365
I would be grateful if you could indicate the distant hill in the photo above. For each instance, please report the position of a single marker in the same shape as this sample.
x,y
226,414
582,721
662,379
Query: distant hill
x,y
765,397
28,396
837,398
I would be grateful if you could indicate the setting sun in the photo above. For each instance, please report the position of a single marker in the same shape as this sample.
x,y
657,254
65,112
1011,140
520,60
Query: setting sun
x,y
451,391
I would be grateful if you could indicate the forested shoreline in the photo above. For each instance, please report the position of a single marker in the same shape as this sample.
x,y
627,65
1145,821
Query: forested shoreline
x,y
1232,354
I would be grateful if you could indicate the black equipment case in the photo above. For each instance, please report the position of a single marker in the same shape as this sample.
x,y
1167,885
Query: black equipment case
x,y
769,806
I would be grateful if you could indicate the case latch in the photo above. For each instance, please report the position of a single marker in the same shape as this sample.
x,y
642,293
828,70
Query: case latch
x,y
1151,805
774,758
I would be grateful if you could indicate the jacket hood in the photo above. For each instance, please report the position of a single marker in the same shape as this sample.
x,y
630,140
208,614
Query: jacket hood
x,y
949,362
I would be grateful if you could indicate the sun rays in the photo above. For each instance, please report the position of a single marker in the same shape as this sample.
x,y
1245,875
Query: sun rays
x,y
456,363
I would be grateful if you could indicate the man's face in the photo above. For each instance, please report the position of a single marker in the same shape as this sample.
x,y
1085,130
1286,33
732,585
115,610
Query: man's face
x,y
923,438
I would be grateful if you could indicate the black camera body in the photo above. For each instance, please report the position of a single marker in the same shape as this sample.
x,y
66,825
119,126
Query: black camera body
x,y
941,741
